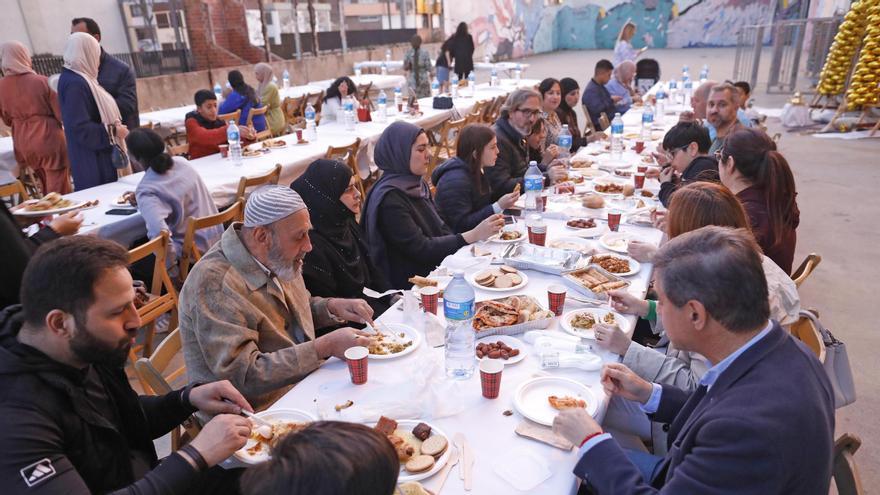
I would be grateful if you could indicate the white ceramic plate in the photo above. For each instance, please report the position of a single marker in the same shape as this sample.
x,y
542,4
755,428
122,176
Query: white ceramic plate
x,y
271,415
45,213
598,313
497,238
618,241
512,342
408,425
634,266
396,329
470,280
578,244
531,397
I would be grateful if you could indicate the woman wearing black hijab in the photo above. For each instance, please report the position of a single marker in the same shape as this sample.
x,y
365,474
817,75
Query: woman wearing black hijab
x,y
570,98
339,263
405,233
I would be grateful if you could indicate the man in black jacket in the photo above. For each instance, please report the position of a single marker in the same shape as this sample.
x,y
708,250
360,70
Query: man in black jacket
x,y
596,98
69,420
685,158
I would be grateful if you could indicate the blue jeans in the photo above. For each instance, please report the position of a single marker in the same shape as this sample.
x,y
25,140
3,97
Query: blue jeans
x,y
442,74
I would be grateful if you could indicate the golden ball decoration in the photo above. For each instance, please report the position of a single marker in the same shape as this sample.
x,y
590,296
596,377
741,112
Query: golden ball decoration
x,y
864,88
832,78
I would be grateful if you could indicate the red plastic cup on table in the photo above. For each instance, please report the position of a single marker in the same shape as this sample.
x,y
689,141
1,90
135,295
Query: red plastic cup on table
x,y
357,358
614,220
537,230
299,135
639,180
224,150
430,296
490,377
544,201
556,298
642,169
640,146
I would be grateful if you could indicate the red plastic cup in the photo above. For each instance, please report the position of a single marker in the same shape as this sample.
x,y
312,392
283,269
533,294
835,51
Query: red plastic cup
x,y
544,202
224,150
299,135
490,377
639,180
556,297
642,169
640,146
400,108
430,296
357,364
538,234
614,220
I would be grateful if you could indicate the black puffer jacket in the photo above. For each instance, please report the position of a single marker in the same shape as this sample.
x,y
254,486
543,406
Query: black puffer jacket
x,y
56,439
459,201
512,162
701,168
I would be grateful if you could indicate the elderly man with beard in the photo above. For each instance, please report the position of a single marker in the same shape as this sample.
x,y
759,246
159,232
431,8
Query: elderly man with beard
x,y
245,313
620,87
69,420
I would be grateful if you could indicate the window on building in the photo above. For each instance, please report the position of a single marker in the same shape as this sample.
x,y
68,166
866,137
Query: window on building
x,y
143,33
162,20
135,10
167,46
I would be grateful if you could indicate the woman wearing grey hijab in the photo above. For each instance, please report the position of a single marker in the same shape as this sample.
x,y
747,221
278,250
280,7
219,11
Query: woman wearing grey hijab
x,y
405,234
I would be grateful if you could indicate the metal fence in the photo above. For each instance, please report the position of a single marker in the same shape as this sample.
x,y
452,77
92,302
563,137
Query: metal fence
x,y
144,64
749,41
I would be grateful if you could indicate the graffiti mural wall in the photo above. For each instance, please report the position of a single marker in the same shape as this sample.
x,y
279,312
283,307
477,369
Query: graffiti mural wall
x,y
512,28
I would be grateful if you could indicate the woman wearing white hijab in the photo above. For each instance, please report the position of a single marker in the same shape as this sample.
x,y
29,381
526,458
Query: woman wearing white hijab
x,y
270,97
90,115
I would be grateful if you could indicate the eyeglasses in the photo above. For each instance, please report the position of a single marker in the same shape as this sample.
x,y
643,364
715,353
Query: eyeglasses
x,y
719,155
671,154
529,111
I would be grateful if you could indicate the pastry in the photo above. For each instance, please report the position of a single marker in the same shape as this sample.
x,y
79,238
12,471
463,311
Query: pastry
x,y
404,450
508,269
422,431
419,464
566,402
422,281
386,426
435,446
504,282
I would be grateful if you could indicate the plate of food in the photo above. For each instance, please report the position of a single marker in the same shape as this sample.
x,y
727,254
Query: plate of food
x,y
522,312
618,241
394,340
578,244
580,322
625,172
592,173
501,279
609,186
541,399
593,280
264,437
509,350
254,151
581,223
507,236
422,448
619,265
274,144
440,282
127,200
50,204
581,163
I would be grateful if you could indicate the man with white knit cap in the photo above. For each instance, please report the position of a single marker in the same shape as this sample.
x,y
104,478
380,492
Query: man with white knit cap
x,y
245,313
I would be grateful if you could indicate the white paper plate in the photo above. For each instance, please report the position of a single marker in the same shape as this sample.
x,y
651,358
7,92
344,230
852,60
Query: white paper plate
x,y
470,279
589,173
512,342
573,243
592,232
271,415
45,213
497,238
530,399
609,180
634,266
442,282
598,313
409,424
618,241
397,328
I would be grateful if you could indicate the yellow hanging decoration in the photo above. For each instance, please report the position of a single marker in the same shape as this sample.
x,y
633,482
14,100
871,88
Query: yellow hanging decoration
x,y
863,87
832,79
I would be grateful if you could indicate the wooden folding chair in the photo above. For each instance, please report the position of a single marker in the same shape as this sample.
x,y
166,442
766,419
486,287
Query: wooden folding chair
x,y
363,91
603,121
589,128
317,101
448,141
293,110
190,252
12,191
155,377
226,117
807,266
179,150
271,177
255,112
163,295
805,331
493,113
348,155
844,470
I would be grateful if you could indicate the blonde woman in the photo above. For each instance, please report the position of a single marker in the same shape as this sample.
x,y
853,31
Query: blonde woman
x,y
623,49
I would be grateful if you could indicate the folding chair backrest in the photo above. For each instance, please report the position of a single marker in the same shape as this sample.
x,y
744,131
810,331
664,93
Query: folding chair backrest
x,y
163,294
844,469
190,253
348,155
806,268
271,177
805,330
256,112
226,117
14,190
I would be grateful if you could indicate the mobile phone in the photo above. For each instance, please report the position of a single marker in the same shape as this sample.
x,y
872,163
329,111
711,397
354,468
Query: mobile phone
x,y
513,212
121,211
509,220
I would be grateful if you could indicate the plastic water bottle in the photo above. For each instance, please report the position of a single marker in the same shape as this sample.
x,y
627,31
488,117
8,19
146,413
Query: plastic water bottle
x,y
388,54
704,74
685,73
517,72
311,128
435,87
285,79
348,108
673,91
384,69
534,186
454,85
398,99
687,93
661,105
617,138
382,116
493,79
218,91
563,142
472,83
647,123
458,306
233,138
487,57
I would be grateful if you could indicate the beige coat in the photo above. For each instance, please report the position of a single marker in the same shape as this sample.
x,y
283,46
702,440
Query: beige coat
x,y
235,324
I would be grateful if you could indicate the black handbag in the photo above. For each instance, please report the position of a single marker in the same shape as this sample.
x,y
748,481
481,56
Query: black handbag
x,y
118,157
442,103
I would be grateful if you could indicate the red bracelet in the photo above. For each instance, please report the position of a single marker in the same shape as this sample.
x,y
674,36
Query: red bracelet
x,y
591,435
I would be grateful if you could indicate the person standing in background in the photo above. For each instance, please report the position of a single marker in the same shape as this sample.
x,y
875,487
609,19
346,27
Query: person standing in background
x,y
623,49
269,96
461,48
417,64
114,75
31,110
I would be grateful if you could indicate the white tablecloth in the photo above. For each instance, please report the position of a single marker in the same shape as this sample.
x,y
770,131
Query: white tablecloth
x,y
8,165
398,65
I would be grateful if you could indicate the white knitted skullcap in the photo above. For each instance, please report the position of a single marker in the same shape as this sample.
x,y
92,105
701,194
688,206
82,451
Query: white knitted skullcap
x,y
271,203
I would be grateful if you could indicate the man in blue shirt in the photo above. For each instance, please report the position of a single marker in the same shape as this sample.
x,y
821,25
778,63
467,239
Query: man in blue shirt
x,y
596,98
620,86
113,75
762,420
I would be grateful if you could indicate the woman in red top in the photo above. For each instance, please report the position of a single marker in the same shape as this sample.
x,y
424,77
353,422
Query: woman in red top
x,y
204,131
752,168
30,108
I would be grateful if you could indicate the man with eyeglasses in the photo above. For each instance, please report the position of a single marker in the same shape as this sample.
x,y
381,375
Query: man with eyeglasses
x,y
520,112
685,158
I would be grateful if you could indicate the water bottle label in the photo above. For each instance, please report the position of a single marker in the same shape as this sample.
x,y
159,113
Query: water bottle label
x,y
647,117
583,349
564,142
534,183
617,128
458,311
550,360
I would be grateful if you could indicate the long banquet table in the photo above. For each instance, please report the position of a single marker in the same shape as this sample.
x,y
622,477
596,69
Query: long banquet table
x,y
458,406
222,177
